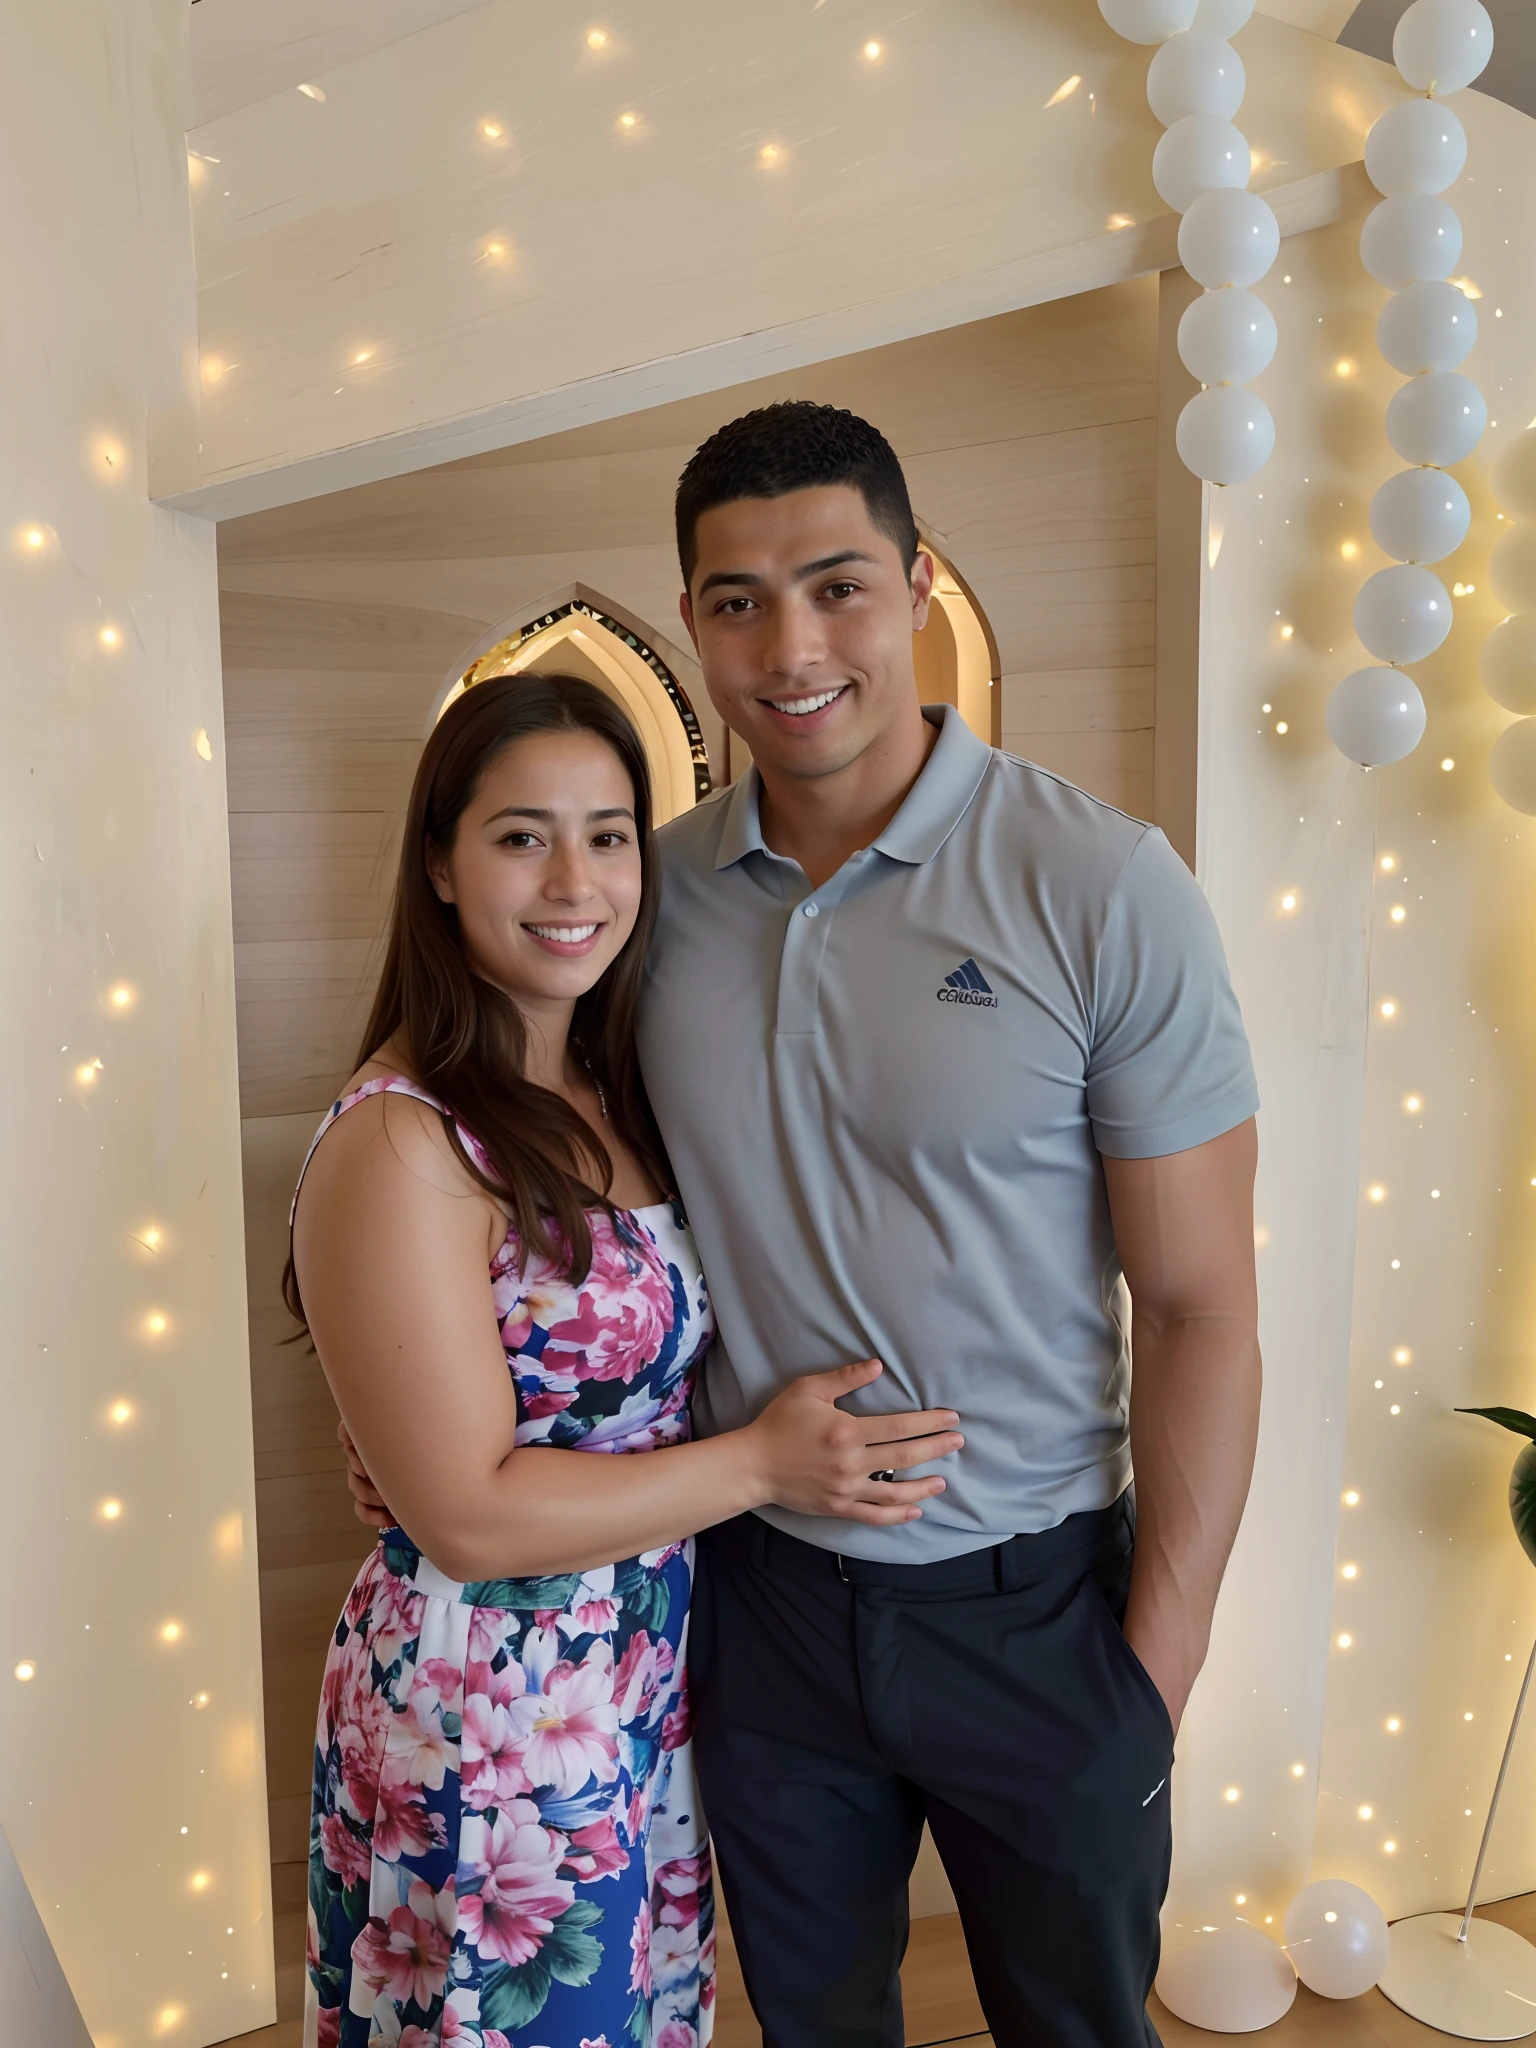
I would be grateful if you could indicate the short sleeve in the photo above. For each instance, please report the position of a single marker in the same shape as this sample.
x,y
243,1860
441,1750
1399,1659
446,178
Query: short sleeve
x,y
1169,1066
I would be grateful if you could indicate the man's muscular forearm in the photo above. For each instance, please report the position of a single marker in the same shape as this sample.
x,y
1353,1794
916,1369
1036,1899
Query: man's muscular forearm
x,y
1194,1425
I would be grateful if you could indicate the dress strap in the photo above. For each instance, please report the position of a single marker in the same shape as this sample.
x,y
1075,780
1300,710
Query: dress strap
x,y
382,1084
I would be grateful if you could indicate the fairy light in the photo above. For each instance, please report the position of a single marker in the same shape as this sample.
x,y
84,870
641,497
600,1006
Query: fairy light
x,y
111,638
1345,1641
1377,1193
120,1414
1288,900
1398,913
149,1236
492,130
1351,1499
87,1071
597,39
110,457
1466,1717
363,355
1117,221
1389,1009
1065,90
202,746
313,92
1350,550
1344,367
629,122
156,1323
1393,1725
1287,632
1241,1899
1394,1409
199,1700
1282,726
874,51
200,1880
111,1510
121,996
1366,1812
1389,1848
1413,1104
770,154
1387,863
1349,1571
1402,1355
1447,765
1232,1794
494,251
214,369
169,2018
26,1671
170,1632
1298,1770
1330,1918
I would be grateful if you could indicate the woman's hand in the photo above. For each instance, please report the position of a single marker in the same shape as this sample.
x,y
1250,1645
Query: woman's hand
x,y
368,1503
816,1459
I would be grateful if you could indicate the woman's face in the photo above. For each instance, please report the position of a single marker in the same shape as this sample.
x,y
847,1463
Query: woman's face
x,y
545,868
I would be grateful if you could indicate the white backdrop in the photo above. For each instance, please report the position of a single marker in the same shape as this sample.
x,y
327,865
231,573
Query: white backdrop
x,y
130,1684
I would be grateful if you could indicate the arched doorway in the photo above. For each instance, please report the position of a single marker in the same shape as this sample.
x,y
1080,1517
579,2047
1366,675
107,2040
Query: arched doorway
x,y
955,655
580,633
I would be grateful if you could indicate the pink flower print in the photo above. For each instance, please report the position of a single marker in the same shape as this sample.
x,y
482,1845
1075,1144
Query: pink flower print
x,y
600,2042
553,1401
494,2038
678,1726
674,1953
402,1826
570,1726
642,1669
431,1755
521,1894
614,1342
342,1852
640,1952
395,1619
407,1955
593,1611
311,1938
359,1752
596,1851
675,2034
329,2035
490,1756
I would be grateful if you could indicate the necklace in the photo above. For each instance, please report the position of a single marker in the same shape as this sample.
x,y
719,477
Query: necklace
x,y
602,1100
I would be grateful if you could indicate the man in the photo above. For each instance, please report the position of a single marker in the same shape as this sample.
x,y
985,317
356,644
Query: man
x,y
940,1046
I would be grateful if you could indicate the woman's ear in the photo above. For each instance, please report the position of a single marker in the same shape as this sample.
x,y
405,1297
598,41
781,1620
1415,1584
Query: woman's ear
x,y
437,872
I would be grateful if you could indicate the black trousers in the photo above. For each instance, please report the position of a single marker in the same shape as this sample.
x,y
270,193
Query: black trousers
x,y
839,1704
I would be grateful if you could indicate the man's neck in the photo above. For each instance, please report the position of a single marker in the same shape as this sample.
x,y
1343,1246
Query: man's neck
x,y
822,821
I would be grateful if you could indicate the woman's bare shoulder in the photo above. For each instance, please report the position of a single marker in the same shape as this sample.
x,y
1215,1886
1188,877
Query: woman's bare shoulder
x,y
392,1141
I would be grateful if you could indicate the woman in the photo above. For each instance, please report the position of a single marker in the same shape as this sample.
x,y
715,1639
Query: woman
x,y
506,1848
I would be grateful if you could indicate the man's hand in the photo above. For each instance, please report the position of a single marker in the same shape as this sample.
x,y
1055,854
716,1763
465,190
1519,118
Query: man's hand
x,y
367,1502
1184,1229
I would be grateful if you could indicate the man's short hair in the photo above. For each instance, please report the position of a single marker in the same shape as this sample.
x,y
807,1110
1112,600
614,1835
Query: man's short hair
x,y
795,446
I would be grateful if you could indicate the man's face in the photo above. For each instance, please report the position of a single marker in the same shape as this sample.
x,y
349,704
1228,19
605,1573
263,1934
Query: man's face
x,y
803,618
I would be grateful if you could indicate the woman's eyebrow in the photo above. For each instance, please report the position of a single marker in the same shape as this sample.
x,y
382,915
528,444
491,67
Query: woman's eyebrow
x,y
548,817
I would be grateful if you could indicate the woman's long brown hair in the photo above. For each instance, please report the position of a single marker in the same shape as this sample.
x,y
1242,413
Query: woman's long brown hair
x,y
465,1040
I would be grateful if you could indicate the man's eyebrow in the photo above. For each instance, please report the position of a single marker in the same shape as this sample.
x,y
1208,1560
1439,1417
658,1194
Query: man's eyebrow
x,y
548,817
745,577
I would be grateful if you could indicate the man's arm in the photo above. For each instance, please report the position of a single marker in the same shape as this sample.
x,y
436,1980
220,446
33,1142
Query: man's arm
x,y
1184,1228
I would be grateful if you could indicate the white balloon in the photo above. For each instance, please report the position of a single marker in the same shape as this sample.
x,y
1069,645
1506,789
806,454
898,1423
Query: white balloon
x,y
1514,475
1225,434
1196,73
1441,45
1148,21
1227,337
1402,614
1438,418
1223,17
1427,326
1408,237
1509,664
1228,237
1420,515
1335,1933
1417,147
1512,766
1376,716
1512,568
1232,1980
1201,153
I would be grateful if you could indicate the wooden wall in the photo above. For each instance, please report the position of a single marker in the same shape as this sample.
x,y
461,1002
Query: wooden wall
x,y
1030,445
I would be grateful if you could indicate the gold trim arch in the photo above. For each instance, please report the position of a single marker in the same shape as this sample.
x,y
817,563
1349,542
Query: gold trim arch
x,y
582,633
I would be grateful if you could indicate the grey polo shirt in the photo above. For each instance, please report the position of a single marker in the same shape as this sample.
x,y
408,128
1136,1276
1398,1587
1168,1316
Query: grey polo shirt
x,y
885,1102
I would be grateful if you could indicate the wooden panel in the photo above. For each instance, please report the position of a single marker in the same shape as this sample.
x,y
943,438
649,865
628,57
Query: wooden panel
x,y
300,1004
1116,766
1077,700
1180,573
313,874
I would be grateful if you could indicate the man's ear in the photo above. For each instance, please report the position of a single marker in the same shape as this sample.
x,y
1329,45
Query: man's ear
x,y
923,573
437,872
685,607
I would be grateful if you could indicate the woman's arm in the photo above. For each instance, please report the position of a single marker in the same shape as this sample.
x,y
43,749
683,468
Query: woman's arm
x,y
392,1244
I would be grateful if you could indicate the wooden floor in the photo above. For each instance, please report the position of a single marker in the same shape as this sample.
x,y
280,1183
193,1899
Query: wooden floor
x,y
941,2000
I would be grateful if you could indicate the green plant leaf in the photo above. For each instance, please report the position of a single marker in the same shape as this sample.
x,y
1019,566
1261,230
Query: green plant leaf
x,y
510,1998
1507,1418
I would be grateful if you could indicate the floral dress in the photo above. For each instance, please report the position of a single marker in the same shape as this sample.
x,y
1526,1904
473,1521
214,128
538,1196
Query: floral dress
x,y
506,1848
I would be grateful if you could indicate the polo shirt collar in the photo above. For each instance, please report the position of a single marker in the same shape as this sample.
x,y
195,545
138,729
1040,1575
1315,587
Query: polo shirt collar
x,y
934,804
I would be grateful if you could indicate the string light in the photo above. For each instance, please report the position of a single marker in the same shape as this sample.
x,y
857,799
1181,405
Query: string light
x,y
1399,912
1298,1770
1232,1794
1282,726
1389,1848
1346,1640
121,1413
156,1323
1350,1571
121,996
770,154
1402,1355
1393,1725
363,355
26,1671
1286,632
1288,900
494,251
313,92
1330,1918
110,638
32,540
1413,1104
1120,220
1351,1499
169,2018
199,1700
170,1632
1389,1009
1466,1717
1377,1193
1064,91
1388,863
492,130
629,122
214,369
1350,550
873,52
202,746
1344,367
597,39
1365,1812
110,457
200,1880
111,1511
1447,764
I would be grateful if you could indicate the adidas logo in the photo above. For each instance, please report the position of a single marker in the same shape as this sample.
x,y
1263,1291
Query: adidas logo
x,y
968,985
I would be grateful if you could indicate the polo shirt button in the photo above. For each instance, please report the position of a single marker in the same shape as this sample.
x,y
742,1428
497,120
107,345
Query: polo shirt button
x,y
812,909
